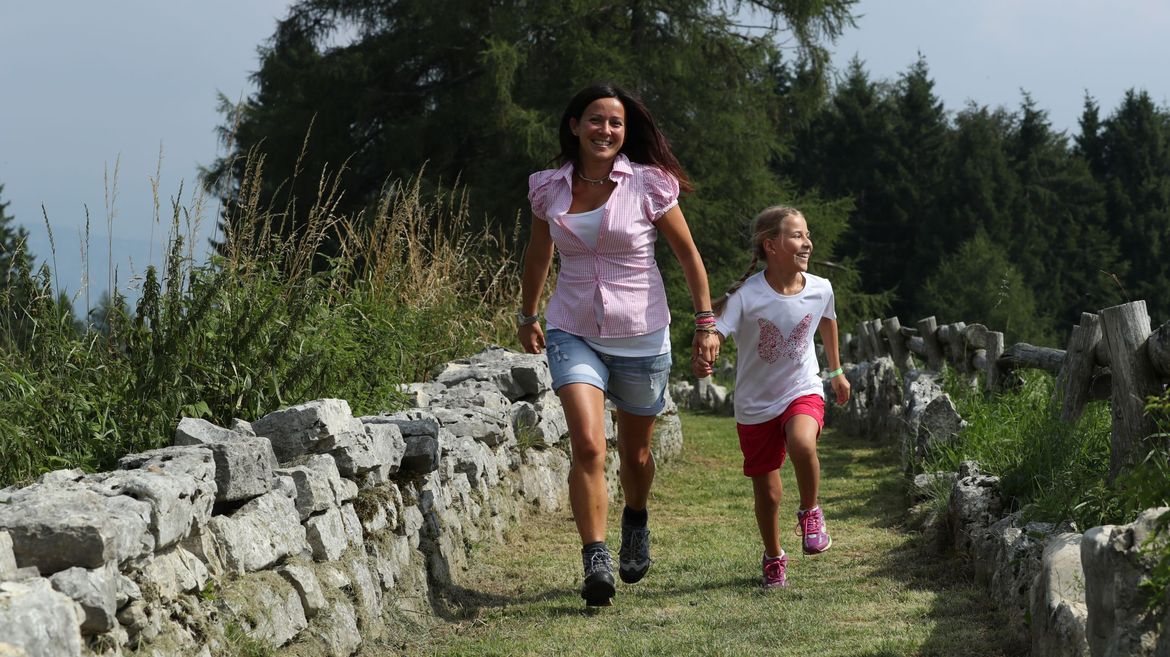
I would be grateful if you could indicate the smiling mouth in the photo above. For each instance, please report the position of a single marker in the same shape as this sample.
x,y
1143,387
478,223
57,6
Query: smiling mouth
x,y
602,143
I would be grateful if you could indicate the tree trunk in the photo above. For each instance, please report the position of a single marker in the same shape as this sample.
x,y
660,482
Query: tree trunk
x,y
1024,355
1126,329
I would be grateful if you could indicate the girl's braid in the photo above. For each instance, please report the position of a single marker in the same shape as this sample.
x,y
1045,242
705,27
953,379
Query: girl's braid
x,y
721,302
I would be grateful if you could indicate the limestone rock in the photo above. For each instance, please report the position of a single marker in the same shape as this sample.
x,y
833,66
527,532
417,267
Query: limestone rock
x,y
307,586
58,523
37,620
974,504
96,593
175,571
243,464
377,445
315,427
326,535
1115,561
271,610
1059,614
7,558
260,533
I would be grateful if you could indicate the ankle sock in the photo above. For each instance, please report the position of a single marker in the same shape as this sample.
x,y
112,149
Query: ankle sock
x,y
597,546
635,518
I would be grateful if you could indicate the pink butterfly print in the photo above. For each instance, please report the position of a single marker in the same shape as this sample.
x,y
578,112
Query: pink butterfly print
x,y
773,344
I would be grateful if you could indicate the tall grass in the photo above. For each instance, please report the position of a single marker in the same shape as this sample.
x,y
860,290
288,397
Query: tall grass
x,y
1053,470
267,322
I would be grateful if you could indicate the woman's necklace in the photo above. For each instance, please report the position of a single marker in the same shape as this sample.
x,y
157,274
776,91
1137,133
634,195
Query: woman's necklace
x,y
593,181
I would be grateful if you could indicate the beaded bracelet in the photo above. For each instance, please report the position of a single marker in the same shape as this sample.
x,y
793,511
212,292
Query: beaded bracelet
x,y
835,373
706,329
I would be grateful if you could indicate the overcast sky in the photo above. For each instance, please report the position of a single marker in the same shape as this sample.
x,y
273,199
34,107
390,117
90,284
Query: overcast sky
x,y
86,84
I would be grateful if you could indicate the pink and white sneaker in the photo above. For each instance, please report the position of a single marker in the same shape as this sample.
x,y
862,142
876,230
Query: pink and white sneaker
x,y
775,571
810,526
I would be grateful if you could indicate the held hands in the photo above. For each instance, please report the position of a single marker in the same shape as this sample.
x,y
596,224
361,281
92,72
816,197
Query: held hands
x,y
704,351
840,388
531,338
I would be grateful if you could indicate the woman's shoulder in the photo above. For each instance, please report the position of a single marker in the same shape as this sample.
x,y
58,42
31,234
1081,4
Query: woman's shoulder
x,y
542,178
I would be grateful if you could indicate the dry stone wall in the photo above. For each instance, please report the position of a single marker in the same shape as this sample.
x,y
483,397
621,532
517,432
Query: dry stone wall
x,y
301,530
1072,594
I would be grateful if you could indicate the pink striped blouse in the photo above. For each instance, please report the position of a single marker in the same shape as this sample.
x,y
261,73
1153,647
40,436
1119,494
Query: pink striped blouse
x,y
622,266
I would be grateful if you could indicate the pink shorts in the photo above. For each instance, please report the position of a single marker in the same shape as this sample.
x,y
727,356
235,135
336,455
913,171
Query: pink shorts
x,y
764,445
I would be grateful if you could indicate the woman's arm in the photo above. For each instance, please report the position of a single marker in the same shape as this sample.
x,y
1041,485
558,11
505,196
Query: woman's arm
x,y
828,331
537,260
673,227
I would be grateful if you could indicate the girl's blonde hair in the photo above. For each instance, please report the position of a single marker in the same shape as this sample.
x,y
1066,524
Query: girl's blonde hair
x,y
765,226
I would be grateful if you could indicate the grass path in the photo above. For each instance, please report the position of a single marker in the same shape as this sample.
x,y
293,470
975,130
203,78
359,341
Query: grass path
x,y
879,592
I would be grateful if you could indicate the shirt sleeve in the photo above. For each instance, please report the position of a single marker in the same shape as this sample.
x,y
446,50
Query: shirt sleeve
x,y
540,192
830,311
728,323
660,192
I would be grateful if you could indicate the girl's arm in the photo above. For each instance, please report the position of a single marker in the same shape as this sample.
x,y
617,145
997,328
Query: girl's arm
x,y
674,228
828,331
537,260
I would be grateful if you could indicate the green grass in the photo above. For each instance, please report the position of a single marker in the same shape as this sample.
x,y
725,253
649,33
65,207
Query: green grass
x,y
880,590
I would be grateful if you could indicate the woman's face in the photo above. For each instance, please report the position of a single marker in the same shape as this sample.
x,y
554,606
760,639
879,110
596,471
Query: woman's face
x,y
601,129
792,248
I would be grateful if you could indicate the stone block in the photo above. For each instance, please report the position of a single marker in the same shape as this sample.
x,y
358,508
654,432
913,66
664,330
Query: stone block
x,y
38,621
58,523
243,464
175,571
326,535
260,533
95,591
307,586
7,558
378,445
1058,611
315,427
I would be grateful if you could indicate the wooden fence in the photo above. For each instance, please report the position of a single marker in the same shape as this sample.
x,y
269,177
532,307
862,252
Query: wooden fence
x,y
1111,355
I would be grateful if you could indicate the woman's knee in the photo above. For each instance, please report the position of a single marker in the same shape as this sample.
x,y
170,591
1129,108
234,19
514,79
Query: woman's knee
x,y
589,452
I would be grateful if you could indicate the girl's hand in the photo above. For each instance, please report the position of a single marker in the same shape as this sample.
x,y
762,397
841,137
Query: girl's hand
x,y
704,352
841,388
531,338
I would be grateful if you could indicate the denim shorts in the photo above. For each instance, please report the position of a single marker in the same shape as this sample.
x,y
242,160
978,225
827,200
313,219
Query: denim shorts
x,y
635,384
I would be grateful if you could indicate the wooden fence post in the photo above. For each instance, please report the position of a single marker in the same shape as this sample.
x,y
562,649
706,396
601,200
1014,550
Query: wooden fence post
x,y
1158,349
873,329
893,330
928,331
1125,329
994,351
1076,373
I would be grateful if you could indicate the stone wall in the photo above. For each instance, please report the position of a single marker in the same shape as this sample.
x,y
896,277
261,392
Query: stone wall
x,y
303,529
1071,594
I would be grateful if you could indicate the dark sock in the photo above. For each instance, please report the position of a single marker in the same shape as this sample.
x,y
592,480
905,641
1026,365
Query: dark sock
x,y
593,547
635,518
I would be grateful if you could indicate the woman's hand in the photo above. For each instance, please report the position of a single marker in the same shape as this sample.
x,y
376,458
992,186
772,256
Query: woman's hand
x,y
531,338
704,352
841,388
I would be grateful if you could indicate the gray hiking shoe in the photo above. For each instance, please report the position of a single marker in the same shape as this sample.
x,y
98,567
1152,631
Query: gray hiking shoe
x,y
634,555
598,587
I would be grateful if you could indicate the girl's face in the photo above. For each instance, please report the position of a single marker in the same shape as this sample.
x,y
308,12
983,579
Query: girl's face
x,y
601,129
791,249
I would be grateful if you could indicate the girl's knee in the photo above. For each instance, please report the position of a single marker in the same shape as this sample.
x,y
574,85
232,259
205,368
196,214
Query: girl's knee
x,y
589,453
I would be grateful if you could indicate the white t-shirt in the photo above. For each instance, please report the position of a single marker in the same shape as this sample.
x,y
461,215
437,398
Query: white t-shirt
x,y
773,333
587,226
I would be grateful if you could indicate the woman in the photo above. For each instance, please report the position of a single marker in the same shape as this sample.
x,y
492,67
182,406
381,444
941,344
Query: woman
x,y
608,321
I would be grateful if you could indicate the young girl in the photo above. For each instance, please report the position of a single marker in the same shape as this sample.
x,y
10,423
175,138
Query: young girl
x,y
779,396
